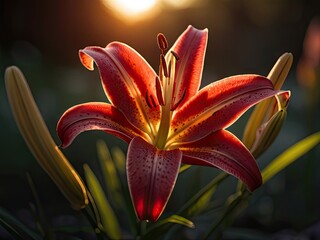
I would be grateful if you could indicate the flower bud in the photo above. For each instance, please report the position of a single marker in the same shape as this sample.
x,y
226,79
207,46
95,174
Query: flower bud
x,y
39,140
268,132
280,70
267,109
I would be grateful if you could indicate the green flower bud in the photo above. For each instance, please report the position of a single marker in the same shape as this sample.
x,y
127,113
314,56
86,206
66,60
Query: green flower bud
x,y
39,140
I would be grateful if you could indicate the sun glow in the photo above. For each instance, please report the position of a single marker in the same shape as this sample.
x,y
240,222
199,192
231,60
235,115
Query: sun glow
x,y
136,9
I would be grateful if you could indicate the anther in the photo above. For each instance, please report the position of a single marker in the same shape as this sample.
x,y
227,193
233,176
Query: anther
x,y
163,65
174,106
148,100
175,55
153,101
162,42
159,92
169,71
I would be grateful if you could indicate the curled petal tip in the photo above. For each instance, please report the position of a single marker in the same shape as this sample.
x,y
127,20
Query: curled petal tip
x,y
86,60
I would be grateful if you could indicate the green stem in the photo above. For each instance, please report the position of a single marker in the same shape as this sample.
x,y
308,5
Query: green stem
x,y
142,229
232,204
97,229
92,215
217,180
39,213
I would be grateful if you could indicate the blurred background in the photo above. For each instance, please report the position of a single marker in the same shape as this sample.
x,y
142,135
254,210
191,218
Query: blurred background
x,y
245,36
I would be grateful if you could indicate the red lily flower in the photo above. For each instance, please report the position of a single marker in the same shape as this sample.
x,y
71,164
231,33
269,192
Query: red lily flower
x,y
165,118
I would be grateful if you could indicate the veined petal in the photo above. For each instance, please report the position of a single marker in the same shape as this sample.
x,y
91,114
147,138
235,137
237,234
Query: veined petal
x,y
223,150
190,48
217,106
152,174
128,81
94,116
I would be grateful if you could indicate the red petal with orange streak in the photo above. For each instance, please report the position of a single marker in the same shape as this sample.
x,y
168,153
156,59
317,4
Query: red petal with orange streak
x,y
226,152
218,105
126,79
152,174
94,116
190,48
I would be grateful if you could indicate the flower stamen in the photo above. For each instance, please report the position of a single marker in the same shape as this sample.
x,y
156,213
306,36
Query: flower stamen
x,y
163,67
167,91
162,42
148,100
153,101
175,105
159,92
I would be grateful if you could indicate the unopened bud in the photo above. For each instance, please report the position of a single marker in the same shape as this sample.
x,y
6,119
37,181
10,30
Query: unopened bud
x,y
265,110
280,70
267,133
39,140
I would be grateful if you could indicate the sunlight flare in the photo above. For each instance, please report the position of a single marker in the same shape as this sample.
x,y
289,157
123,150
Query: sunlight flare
x,y
132,10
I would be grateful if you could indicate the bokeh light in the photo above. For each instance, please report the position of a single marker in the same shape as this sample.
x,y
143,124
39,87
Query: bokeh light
x,y
181,3
132,10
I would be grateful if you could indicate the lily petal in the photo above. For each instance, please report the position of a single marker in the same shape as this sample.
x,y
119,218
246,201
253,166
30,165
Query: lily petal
x,y
152,174
94,116
217,106
128,81
190,48
226,152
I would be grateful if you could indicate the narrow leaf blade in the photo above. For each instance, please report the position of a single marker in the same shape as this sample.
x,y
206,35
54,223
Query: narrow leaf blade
x,y
200,200
109,171
108,218
119,159
290,155
162,226
15,227
180,220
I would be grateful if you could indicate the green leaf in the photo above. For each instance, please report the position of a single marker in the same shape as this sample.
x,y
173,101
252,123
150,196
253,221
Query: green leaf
x,y
111,177
113,168
162,226
15,227
290,155
119,159
184,168
108,218
201,200
179,220
234,204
